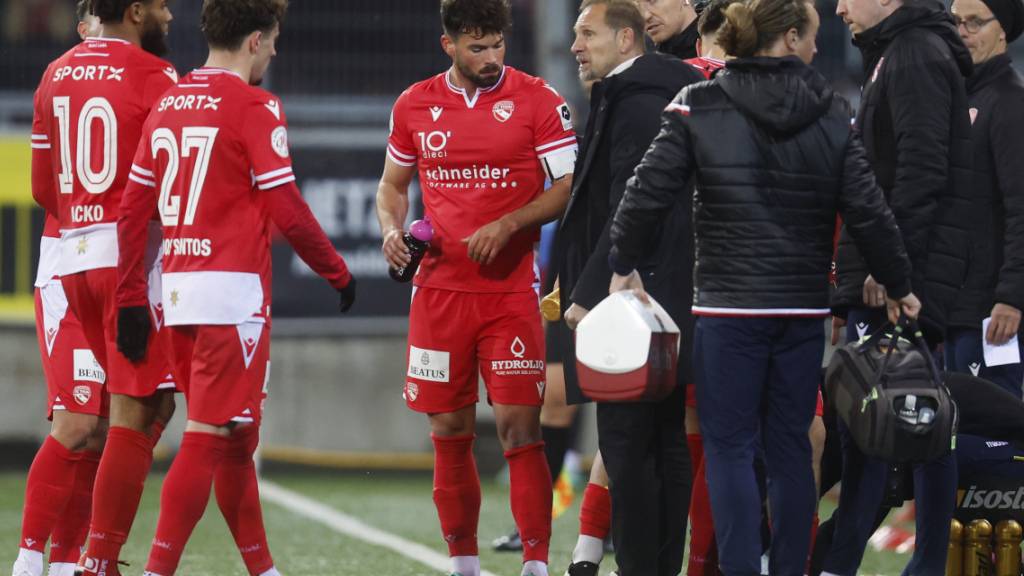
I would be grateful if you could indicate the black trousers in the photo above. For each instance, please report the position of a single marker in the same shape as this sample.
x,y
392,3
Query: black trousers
x,y
644,449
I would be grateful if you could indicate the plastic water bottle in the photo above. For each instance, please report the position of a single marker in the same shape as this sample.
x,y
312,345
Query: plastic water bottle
x,y
417,239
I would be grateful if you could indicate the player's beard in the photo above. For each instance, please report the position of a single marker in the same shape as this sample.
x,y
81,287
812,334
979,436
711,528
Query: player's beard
x,y
477,78
153,38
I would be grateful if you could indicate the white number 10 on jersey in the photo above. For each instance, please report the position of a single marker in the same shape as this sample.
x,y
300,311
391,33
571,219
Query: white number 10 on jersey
x,y
199,139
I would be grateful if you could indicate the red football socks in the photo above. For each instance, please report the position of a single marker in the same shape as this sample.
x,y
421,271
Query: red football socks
x,y
185,495
596,512
457,493
73,527
238,497
703,555
119,482
530,482
51,481
695,442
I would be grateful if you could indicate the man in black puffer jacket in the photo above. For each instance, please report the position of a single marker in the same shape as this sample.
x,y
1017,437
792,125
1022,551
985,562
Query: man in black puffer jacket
x,y
916,128
774,159
913,116
995,278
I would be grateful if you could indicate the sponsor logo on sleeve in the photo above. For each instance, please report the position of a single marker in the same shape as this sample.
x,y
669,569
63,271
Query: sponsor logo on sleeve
x,y
430,365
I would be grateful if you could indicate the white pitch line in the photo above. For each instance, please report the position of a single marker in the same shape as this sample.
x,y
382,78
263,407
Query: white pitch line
x,y
344,524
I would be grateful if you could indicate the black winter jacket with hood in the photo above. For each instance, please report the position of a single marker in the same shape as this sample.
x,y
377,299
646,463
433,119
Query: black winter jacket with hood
x,y
765,203
996,269
916,130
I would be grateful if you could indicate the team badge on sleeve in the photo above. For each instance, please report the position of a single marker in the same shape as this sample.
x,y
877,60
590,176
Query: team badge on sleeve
x,y
565,115
279,141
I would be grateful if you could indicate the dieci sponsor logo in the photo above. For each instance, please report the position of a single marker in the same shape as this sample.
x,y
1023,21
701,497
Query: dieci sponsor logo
x,y
432,365
87,369
975,499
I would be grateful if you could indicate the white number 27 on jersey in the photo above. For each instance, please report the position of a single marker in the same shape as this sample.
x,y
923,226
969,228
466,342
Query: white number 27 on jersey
x,y
198,139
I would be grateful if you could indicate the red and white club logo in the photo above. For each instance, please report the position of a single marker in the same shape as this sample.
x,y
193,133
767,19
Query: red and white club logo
x,y
503,110
82,394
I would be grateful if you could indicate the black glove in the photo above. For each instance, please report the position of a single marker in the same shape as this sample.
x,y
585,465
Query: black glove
x,y
133,325
348,295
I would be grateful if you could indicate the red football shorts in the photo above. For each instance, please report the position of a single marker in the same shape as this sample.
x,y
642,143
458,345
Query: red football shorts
x,y
223,370
455,337
91,295
74,379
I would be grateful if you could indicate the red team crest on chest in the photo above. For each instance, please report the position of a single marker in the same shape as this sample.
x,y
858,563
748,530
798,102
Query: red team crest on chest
x,y
503,110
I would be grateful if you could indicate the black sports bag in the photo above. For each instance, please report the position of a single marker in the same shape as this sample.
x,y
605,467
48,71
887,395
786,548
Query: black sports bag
x,y
892,398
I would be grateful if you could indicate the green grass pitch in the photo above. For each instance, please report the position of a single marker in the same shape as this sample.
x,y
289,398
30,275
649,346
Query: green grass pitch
x,y
401,505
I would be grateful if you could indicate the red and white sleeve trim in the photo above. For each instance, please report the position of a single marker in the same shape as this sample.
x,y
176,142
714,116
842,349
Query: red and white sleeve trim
x,y
142,176
275,178
681,108
556,146
400,158
40,142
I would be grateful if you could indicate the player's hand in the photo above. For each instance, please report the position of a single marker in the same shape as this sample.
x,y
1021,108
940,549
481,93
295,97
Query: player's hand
x,y
486,242
909,305
632,282
394,248
838,324
874,293
348,295
574,315
133,325
1004,325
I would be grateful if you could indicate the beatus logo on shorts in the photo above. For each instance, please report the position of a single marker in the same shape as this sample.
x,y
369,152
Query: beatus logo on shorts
x,y
86,368
432,365
82,394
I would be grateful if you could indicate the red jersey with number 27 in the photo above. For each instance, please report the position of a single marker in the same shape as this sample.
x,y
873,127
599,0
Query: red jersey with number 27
x,y
480,158
211,151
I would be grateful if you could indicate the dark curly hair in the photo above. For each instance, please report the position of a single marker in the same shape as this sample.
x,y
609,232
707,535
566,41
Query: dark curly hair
x,y
111,10
475,16
226,23
713,16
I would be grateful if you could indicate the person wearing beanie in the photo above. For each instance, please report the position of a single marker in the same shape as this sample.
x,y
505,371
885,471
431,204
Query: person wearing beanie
x,y
995,280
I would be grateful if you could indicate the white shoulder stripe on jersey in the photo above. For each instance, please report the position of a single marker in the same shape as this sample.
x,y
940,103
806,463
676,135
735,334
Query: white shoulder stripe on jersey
x,y
398,160
552,151
142,171
139,180
276,183
401,154
40,146
556,144
274,174
40,137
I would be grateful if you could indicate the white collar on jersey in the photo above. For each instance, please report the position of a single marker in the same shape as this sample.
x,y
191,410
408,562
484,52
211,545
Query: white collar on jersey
x,y
622,67
102,39
470,102
207,70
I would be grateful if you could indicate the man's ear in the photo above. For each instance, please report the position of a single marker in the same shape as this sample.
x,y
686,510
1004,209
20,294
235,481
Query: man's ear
x,y
448,45
255,40
136,13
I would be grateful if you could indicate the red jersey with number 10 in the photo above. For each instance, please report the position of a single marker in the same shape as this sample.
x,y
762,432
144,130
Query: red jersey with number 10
x,y
213,146
89,111
480,158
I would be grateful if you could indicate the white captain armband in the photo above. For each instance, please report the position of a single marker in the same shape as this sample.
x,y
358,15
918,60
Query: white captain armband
x,y
559,163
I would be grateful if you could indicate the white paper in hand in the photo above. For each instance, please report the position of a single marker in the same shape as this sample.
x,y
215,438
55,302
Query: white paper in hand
x,y
1008,353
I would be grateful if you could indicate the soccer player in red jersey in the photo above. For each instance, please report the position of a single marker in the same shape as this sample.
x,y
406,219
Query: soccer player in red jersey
x,y
58,493
483,137
89,110
213,162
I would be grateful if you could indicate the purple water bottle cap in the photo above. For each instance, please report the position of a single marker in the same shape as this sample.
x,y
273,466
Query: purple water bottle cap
x,y
422,230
